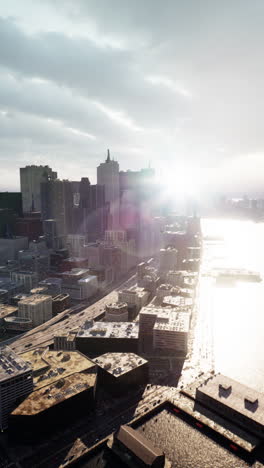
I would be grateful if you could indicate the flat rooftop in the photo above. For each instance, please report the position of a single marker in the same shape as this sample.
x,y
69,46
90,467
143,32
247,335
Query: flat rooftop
x,y
35,299
6,310
53,365
51,395
135,291
178,301
235,396
11,365
109,330
118,364
178,321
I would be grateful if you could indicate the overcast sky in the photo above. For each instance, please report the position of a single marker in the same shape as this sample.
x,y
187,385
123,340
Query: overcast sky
x,y
176,83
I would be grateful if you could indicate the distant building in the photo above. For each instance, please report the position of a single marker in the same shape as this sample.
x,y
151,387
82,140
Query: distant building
x,y
108,177
168,259
29,226
79,284
15,382
95,338
37,308
31,178
120,372
57,204
11,201
9,247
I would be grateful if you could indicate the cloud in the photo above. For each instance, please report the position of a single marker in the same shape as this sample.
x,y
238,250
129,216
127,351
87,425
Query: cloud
x,y
170,82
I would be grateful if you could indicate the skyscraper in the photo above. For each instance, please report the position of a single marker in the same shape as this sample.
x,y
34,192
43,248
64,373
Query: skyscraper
x,y
30,179
108,176
57,204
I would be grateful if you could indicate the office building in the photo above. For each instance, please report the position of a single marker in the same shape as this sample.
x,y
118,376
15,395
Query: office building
x,y
108,177
15,382
60,303
134,297
57,204
119,372
168,260
79,284
37,308
163,330
29,226
31,178
234,401
65,341
9,247
99,337
92,211
11,201
29,279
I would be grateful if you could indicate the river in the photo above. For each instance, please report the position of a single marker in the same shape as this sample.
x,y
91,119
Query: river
x,y
230,325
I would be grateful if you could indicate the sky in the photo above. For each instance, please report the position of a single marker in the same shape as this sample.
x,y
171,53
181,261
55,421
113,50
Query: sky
x,y
178,85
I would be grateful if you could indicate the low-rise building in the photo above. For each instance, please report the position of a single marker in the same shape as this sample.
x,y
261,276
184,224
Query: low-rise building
x,y
95,338
118,372
65,341
116,312
60,303
235,401
15,382
54,405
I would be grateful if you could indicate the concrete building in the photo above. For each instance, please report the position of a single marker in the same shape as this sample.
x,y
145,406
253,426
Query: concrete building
x,y
163,330
95,338
134,296
31,178
9,247
57,204
119,372
234,401
79,284
116,312
65,341
60,303
29,279
29,226
5,311
37,308
53,285
108,177
168,259
75,243
15,382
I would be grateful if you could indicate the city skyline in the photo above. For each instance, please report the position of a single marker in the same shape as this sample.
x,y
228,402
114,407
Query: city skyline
x,y
177,85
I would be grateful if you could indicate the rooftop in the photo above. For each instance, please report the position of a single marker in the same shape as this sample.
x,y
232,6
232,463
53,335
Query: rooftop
x,y
7,310
178,321
119,363
178,301
11,365
51,395
53,365
35,299
235,396
141,447
109,330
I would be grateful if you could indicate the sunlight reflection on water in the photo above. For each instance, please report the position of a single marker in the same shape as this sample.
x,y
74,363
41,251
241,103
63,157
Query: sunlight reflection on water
x,y
238,309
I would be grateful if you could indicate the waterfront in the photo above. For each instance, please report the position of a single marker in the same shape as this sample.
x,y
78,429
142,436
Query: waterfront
x,y
231,316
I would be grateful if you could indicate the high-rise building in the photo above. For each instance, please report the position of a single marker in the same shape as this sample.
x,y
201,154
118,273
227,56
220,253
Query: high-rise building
x,y
108,176
31,178
57,204
91,213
